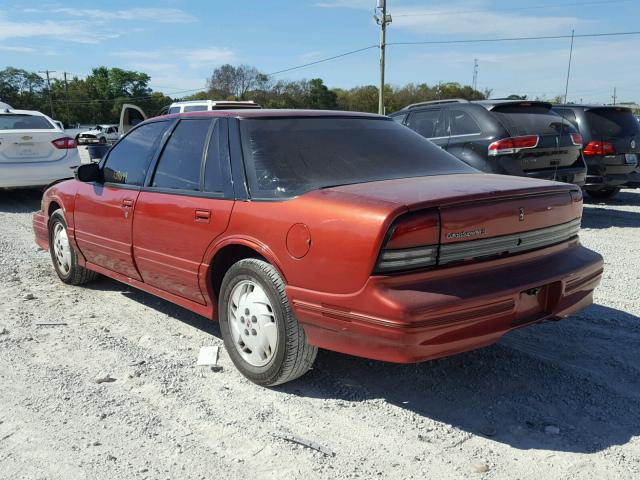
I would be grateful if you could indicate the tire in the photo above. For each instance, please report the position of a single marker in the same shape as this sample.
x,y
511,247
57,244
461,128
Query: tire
x,y
63,256
253,310
604,193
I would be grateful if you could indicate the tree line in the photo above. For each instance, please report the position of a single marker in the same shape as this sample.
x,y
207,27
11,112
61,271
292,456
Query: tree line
x,y
98,97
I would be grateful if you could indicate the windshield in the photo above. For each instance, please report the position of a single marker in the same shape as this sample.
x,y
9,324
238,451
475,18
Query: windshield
x,y
285,157
24,122
533,119
612,122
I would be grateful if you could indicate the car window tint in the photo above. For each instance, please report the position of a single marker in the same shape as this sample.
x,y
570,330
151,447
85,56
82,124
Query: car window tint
x,y
129,160
181,160
463,124
531,119
612,122
217,153
285,157
427,123
195,108
567,114
24,122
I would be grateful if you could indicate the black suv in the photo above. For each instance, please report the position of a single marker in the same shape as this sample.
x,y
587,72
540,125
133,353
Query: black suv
x,y
611,146
511,137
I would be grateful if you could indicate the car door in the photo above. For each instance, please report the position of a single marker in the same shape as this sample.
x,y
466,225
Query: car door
x,y
431,123
130,116
103,214
185,206
464,132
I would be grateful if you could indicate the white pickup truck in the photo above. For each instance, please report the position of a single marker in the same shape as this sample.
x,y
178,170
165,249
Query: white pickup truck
x,y
99,134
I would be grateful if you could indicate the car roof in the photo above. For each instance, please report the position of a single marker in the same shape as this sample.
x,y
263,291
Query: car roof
x,y
489,104
274,113
22,112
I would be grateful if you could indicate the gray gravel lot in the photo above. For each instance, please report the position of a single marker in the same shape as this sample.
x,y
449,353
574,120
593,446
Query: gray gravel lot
x,y
558,400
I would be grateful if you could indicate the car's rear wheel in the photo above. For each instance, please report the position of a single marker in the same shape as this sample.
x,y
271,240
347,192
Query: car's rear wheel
x,y
604,193
63,256
262,336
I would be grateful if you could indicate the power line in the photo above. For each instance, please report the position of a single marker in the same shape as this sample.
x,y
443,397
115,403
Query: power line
x,y
515,39
322,60
512,9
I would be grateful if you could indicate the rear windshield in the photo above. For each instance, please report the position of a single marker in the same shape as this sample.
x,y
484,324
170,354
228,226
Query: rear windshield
x,y
611,122
195,108
285,157
531,120
24,122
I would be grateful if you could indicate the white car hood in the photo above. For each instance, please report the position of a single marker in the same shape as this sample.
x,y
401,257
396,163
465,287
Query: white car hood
x,y
92,132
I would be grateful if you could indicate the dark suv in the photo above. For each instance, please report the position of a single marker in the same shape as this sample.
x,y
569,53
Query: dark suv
x,y
511,137
611,146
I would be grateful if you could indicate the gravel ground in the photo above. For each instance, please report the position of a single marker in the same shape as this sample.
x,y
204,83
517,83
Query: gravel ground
x,y
558,400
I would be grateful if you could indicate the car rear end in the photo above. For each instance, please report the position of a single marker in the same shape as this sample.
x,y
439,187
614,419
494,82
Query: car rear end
x,y
539,143
33,150
612,147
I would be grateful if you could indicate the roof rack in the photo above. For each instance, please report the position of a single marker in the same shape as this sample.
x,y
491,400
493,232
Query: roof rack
x,y
435,102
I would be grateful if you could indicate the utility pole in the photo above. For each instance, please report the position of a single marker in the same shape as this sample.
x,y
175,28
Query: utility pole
x,y
475,74
383,21
66,95
615,96
49,88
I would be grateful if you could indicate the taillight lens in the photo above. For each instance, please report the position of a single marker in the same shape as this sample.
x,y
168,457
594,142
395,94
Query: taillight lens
x,y
412,242
576,138
598,148
513,144
65,143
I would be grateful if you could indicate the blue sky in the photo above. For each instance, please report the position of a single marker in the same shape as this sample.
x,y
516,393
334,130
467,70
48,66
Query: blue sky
x,y
179,42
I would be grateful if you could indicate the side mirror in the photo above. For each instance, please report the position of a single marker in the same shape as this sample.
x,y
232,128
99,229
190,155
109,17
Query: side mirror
x,y
89,172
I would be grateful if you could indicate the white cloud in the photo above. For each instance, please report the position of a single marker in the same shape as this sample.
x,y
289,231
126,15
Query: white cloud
x,y
358,4
160,15
7,48
72,31
192,57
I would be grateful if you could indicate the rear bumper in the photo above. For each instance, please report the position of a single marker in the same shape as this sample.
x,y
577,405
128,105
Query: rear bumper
x,y
417,317
37,174
610,171
577,176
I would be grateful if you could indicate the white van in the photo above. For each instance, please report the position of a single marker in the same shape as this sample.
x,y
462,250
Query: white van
x,y
204,105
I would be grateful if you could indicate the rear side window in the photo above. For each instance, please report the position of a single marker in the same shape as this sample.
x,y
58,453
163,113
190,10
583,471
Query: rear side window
x,y
174,110
181,160
195,108
612,122
428,123
531,119
463,124
128,162
24,122
567,114
217,154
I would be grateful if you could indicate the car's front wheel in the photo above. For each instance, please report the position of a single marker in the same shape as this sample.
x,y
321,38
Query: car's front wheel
x,y
63,256
261,334
604,193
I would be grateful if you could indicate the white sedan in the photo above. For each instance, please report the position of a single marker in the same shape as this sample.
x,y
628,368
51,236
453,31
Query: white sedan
x,y
34,151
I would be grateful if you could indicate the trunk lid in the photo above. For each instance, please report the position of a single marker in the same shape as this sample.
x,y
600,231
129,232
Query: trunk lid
x,y
24,146
618,126
475,208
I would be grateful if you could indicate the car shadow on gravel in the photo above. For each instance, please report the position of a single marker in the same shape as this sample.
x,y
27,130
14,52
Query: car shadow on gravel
x,y
20,200
626,198
163,306
603,217
563,386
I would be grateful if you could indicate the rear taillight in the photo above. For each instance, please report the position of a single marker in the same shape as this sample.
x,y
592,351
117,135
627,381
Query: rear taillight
x,y
513,144
576,138
412,242
598,148
65,143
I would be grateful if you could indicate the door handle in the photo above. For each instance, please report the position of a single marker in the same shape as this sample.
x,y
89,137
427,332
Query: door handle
x,y
203,216
127,202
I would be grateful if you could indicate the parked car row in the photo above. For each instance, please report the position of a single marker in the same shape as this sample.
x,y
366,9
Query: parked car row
x,y
300,230
595,147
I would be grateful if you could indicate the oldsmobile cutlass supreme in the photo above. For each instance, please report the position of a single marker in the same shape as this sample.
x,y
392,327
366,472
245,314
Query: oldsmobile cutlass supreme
x,y
300,230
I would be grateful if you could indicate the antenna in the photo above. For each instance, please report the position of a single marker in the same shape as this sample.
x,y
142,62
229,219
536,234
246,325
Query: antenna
x,y
566,86
475,74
